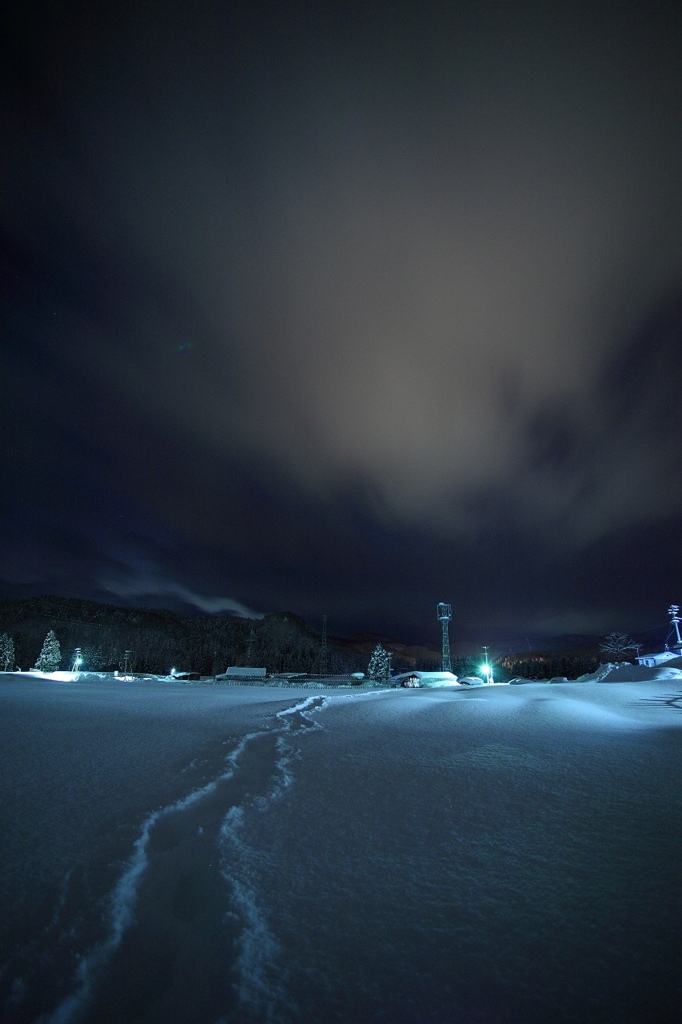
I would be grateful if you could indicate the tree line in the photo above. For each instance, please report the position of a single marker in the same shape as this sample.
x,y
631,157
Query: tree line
x,y
548,664
160,640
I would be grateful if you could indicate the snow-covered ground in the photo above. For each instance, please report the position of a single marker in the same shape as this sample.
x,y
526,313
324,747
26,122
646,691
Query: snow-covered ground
x,y
210,854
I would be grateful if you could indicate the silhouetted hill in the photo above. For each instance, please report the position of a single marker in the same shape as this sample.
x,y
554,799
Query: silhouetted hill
x,y
160,639
156,637
405,656
572,642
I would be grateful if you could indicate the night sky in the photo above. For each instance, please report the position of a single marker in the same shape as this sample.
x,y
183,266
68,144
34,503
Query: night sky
x,y
345,310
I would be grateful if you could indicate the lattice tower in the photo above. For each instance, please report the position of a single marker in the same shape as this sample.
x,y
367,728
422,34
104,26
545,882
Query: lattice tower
x,y
444,616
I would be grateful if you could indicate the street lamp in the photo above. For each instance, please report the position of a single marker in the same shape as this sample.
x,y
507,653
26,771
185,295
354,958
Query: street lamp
x,y
487,668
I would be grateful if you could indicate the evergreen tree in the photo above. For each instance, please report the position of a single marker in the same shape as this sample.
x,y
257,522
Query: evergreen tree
x,y
50,657
378,665
6,652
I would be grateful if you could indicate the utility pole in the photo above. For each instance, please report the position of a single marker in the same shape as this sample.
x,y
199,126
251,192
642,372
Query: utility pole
x,y
324,657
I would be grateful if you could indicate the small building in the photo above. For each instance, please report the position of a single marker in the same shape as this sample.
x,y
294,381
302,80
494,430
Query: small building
x,y
425,679
652,660
244,672
661,657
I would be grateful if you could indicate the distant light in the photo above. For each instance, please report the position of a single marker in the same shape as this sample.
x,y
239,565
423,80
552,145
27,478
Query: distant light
x,y
487,669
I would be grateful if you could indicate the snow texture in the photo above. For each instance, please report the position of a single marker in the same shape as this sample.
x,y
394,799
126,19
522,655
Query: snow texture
x,y
213,854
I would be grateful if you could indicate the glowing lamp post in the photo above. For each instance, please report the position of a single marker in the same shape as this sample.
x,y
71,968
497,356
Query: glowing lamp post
x,y
487,668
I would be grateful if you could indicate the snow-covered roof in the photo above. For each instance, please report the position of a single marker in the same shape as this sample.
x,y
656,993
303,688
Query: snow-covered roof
x,y
657,659
245,671
428,678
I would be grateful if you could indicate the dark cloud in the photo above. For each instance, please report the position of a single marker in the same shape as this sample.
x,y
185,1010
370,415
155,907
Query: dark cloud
x,y
350,300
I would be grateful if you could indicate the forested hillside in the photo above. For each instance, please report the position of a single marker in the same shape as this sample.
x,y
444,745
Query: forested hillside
x,y
160,640
548,664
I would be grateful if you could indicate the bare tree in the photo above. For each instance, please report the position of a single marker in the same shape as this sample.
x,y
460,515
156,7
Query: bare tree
x,y
617,644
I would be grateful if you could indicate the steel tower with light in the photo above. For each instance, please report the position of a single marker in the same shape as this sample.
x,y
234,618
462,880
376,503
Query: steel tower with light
x,y
444,616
